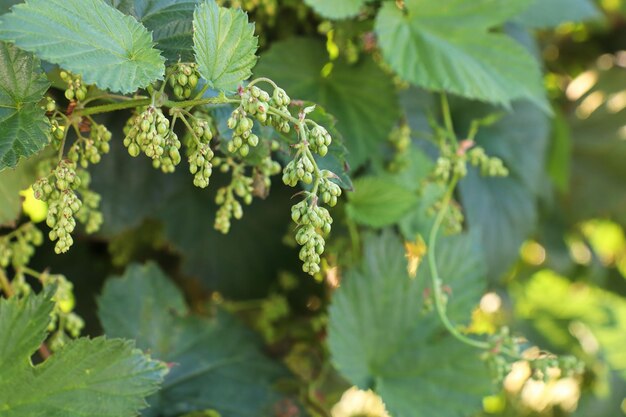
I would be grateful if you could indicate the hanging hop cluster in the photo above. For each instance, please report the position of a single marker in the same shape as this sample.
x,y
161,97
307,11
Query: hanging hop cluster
x,y
319,140
199,152
63,321
328,190
400,141
18,247
489,166
280,101
301,168
314,223
57,190
89,150
240,186
149,132
243,138
75,87
183,78
89,213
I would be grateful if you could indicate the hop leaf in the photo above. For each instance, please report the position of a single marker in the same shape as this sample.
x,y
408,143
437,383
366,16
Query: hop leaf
x,y
224,44
78,380
23,125
87,37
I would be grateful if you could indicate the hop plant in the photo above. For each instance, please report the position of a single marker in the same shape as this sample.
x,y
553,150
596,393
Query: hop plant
x,y
243,138
240,186
300,168
319,140
149,132
280,101
183,78
59,190
328,190
489,166
17,247
89,213
75,87
313,223
89,150
255,102
199,152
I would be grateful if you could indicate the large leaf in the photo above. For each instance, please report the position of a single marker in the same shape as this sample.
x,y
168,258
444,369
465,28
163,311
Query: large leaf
x,y
336,9
23,125
445,45
503,210
170,21
188,213
360,96
95,377
224,44
381,337
87,37
548,13
218,364
379,202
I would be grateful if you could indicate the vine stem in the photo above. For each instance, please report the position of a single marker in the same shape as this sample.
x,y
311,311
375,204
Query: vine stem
x,y
447,118
434,272
5,284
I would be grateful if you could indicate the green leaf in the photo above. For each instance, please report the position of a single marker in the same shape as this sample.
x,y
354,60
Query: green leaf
x,y
446,45
170,21
549,13
503,210
361,96
87,37
218,364
12,181
23,324
208,255
381,337
224,44
95,377
336,9
23,125
379,202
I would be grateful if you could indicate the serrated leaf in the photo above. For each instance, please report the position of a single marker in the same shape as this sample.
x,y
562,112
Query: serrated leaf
x,y
446,45
23,325
336,9
503,211
379,202
23,125
380,337
224,44
170,21
348,92
95,377
218,363
87,37
549,13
